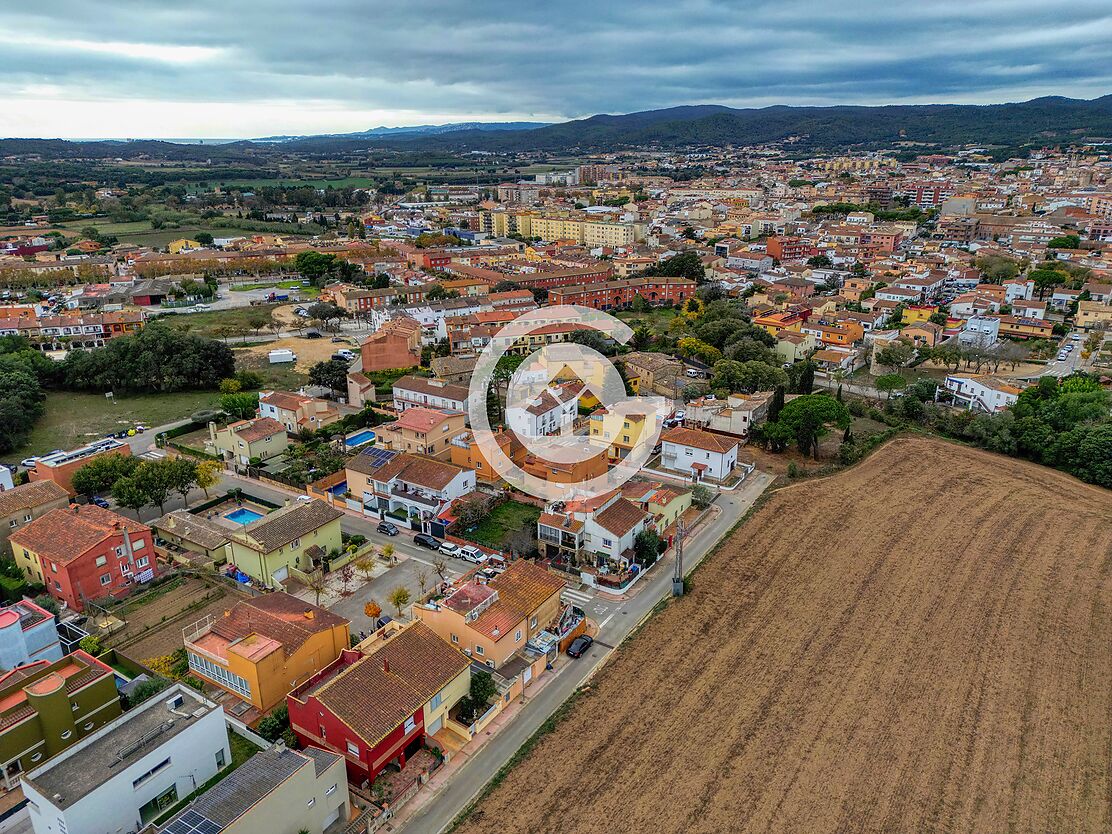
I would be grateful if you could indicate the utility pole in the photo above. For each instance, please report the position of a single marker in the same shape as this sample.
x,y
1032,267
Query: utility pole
x,y
677,572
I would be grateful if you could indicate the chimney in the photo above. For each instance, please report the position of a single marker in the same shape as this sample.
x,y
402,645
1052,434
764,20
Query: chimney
x,y
386,665
309,614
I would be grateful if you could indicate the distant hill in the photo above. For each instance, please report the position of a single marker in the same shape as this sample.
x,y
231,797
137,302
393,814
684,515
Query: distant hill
x,y
1040,121
422,130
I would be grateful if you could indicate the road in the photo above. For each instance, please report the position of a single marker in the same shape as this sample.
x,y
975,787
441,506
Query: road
x,y
619,620
1071,363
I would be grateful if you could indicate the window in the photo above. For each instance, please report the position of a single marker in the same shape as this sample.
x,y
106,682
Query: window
x,y
218,674
517,636
410,725
67,734
27,517
88,725
75,706
330,791
437,699
158,768
295,543
125,567
311,802
479,650
37,757
533,622
607,543
687,452
13,523
220,760
119,551
106,579
139,544
353,749
53,568
141,562
323,731
455,639
102,561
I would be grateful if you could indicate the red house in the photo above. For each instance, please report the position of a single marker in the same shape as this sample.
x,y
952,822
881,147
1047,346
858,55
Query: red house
x,y
375,706
84,552
787,249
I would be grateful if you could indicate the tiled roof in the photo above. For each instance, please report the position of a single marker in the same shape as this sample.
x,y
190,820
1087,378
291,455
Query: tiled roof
x,y
279,617
257,429
282,526
432,388
699,440
64,534
377,693
620,517
285,401
28,496
423,419
413,469
194,528
522,588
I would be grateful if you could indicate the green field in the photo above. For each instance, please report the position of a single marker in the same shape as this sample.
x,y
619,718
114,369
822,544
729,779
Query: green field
x,y
504,527
657,319
73,419
141,233
341,182
211,323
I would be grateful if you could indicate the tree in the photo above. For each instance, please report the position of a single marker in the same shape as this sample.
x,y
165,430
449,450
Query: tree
x,y
128,493
890,383
646,547
422,577
399,598
642,338
366,567
327,312
1064,242
372,609
241,406
156,480
91,645
701,496
347,574
746,377
99,475
895,355
808,418
208,475
471,509
204,238
258,320
821,261
440,567
777,404
331,374
182,472
806,377
318,585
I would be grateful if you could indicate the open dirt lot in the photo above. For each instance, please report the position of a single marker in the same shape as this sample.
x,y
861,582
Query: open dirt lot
x,y
920,644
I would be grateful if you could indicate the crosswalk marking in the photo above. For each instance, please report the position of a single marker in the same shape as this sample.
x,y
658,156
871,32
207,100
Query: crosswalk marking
x,y
576,596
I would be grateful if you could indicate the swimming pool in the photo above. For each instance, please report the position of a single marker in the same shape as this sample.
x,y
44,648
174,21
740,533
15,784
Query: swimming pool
x,y
360,438
243,516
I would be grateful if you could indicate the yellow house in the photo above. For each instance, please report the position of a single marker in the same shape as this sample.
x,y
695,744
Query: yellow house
x,y
622,431
298,536
794,347
493,622
913,314
262,648
1092,313
665,503
262,437
176,247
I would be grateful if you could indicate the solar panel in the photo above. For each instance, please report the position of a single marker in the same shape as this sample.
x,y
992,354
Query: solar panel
x,y
192,822
378,457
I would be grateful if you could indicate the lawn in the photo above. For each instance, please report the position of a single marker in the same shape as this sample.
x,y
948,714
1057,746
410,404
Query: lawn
x,y
656,319
210,323
510,526
73,419
140,231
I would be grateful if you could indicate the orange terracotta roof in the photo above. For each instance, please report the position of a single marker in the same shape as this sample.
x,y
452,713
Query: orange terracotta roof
x,y
699,440
64,534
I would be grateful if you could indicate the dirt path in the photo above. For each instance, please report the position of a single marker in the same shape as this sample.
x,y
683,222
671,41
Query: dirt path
x,y
917,645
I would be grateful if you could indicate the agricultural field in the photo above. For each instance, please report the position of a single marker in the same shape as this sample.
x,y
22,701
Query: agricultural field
x,y
917,644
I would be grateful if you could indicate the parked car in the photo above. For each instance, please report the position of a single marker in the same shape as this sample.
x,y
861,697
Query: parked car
x,y
450,549
1076,337
472,554
337,340
98,501
304,499
425,540
1062,355
387,528
29,463
312,334
679,415
580,645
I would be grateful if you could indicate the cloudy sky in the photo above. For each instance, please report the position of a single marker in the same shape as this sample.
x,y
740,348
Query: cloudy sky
x,y
241,68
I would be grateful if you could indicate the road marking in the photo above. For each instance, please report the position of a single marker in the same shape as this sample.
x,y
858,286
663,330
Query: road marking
x,y
602,625
576,596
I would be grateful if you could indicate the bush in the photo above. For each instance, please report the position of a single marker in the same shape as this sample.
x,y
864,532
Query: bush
x,y
144,691
274,725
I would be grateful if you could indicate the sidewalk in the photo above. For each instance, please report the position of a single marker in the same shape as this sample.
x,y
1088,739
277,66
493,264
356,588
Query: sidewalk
x,y
443,776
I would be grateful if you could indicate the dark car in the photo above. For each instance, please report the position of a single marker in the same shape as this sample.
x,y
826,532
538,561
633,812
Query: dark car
x,y
100,502
312,334
425,540
387,528
580,645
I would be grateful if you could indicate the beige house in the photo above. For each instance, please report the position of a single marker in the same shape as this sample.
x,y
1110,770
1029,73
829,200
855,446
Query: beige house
x,y
423,431
261,437
192,539
297,412
794,347
24,504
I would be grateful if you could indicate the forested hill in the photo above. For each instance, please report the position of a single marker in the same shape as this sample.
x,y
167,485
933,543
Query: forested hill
x,y
1041,121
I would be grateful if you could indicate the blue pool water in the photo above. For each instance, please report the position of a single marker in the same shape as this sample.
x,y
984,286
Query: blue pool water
x,y
339,489
243,516
360,438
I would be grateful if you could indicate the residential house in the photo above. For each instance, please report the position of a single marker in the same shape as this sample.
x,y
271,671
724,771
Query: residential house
x,y
261,648
411,391
1022,328
983,392
654,373
775,323
60,466
23,504
980,331
423,431
298,536
455,370
378,707
665,504
411,488
84,553
129,771
28,633
1091,314
835,360
553,411
491,622
360,390
793,346
396,344
924,333
698,454
623,432
297,412
736,415
279,791
244,441
466,454
45,706
597,533
196,541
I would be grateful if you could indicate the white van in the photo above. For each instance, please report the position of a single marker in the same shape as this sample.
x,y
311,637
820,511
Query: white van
x,y
282,355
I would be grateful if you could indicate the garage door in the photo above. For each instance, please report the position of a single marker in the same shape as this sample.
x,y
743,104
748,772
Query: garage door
x,y
331,818
281,574
435,726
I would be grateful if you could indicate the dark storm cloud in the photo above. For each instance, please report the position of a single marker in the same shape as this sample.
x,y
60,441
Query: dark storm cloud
x,y
555,58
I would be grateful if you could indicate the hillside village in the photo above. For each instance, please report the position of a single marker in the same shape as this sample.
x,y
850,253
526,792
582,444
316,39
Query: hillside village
x,y
301,570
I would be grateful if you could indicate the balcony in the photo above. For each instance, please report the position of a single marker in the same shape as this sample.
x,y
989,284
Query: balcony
x,y
413,497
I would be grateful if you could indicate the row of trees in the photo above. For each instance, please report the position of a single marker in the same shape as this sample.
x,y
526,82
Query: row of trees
x,y
136,483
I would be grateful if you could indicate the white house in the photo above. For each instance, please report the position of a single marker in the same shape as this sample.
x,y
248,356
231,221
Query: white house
x,y
555,408
417,486
980,331
412,391
131,770
698,454
982,392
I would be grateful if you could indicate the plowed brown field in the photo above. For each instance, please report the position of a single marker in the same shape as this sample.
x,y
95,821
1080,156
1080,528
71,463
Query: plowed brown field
x,y
921,644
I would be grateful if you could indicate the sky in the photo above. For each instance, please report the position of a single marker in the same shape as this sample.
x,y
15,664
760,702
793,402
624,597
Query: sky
x,y
249,68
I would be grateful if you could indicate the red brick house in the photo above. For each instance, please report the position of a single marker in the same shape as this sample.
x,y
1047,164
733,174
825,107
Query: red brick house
x,y
84,552
376,706
619,294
